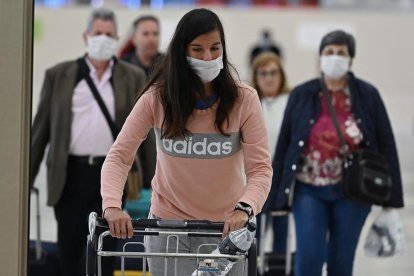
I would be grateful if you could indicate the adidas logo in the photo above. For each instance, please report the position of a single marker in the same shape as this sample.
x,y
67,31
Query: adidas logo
x,y
200,145
198,148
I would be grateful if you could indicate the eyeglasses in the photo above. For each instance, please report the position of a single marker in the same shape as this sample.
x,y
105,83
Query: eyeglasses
x,y
263,74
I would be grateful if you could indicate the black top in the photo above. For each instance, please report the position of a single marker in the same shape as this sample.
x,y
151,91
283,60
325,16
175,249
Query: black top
x,y
133,59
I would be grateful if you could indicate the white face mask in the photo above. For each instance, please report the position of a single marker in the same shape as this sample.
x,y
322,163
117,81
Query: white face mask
x,y
334,66
101,47
206,70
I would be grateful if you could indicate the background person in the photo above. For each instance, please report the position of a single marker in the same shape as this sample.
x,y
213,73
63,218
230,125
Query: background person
x,y
142,50
269,79
328,225
70,121
265,44
143,47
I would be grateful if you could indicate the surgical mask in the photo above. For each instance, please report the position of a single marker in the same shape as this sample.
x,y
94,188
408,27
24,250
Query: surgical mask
x,y
101,47
334,66
207,70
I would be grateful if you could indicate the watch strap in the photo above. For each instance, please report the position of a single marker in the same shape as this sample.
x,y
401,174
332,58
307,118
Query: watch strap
x,y
241,206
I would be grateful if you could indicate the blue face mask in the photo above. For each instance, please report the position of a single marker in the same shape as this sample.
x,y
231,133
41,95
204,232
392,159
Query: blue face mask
x,y
206,70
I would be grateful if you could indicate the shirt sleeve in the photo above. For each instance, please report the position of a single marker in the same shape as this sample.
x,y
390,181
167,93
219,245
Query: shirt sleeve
x,y
257,161
121,155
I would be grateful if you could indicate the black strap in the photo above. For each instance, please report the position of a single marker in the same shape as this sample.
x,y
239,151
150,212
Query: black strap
x,y
84,70
331,109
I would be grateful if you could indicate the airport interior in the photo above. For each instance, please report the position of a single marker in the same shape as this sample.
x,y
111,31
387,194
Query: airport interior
x,y
384,57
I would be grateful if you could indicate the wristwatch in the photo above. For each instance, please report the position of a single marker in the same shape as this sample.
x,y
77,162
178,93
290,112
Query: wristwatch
x,y
244,207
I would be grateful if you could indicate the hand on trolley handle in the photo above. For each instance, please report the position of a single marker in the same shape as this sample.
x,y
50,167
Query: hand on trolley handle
x,y
119,223
98,229
238,219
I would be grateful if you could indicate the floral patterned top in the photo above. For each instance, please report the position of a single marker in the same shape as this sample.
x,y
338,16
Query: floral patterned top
x,y
321,162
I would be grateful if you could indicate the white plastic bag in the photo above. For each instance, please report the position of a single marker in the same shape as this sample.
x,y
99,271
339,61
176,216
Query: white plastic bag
x,y
386,236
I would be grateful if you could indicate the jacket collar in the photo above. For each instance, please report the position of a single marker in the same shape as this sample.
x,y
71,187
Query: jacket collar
x,y
118,81
315,85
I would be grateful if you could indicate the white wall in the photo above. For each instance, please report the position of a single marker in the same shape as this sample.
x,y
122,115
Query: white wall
x,y
383,41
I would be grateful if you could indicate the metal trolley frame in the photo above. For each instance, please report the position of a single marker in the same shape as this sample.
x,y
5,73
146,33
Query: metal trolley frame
x,y
98,229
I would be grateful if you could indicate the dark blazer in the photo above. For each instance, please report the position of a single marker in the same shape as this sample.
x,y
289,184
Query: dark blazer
x,y
132,58
52,124
303,109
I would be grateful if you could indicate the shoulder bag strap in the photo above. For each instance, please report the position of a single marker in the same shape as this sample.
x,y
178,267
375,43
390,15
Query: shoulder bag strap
x,y
83,67
84,70
331,109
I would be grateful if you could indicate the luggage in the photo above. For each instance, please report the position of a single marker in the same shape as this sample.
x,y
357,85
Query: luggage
x,y
42,256
139,208
272,264
131,265
276,265
47,264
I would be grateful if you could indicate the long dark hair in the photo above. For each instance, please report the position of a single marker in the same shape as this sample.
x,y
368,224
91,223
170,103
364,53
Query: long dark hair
x,y
178,83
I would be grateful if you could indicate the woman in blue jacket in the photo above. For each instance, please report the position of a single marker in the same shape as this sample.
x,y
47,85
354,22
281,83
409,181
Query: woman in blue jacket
x,y
308,164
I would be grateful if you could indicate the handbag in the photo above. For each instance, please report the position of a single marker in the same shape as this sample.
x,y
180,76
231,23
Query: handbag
x,y
134,182
365,172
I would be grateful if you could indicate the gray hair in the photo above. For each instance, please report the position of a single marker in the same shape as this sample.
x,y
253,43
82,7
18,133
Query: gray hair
x,y
103,14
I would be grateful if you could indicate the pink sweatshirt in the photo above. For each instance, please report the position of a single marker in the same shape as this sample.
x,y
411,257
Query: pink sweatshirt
x,y
203,176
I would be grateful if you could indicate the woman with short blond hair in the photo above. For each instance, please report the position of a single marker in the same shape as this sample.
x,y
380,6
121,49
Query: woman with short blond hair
x,y
269,79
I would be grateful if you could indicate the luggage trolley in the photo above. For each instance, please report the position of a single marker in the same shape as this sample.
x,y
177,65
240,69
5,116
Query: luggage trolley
x,y
98,229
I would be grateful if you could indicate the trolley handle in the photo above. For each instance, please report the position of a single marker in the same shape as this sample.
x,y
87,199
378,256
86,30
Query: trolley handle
x,y
165,223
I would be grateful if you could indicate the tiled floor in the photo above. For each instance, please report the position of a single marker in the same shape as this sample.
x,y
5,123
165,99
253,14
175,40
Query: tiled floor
x,y
395,266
